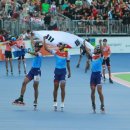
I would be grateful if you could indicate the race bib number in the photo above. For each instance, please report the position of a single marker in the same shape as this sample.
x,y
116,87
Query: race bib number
x,y
37,78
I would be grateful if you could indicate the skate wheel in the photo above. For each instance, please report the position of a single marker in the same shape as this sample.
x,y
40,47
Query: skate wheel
x,y
94,112
55,108
19,103
35,107
62,109
102,112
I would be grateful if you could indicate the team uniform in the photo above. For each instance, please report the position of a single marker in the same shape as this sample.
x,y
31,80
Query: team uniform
x,y
20,53
95,80
106,61
60,70
35,72
106,54
8,53
21,45
96,68
8,56
60,67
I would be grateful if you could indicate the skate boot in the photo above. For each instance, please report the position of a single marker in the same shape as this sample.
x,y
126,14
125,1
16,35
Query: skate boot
x,y
104,78
62,106
35,105
12,73
77,66
55,106
19,72
6,72
110,80
94,107
19,101
102,109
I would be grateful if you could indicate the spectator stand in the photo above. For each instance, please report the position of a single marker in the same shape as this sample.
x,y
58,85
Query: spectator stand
x,y
75,16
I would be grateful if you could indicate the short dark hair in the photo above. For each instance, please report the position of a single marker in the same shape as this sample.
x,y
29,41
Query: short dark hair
x,y
38,44
104,40
98,49
28,31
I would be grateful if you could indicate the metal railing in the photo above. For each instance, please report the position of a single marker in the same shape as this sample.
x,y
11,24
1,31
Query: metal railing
x,y
78,27
63,22
101,27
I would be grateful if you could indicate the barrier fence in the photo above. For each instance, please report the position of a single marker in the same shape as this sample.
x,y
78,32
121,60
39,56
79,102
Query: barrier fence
x,y
78,27
117,44
101,27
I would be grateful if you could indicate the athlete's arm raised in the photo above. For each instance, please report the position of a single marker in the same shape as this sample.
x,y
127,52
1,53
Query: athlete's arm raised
x,y
45,45
32,39
86,48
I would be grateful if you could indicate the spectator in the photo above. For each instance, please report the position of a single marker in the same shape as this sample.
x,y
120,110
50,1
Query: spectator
x,y
2,39
110,15
64,6
28,34
78,3
53,8
45,7
47,20
31,8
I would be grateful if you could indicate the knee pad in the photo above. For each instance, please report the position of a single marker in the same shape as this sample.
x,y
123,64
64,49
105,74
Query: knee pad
x,y
99,85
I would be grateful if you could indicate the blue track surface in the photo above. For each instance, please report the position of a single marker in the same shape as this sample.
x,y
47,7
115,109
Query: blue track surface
x,y
77,114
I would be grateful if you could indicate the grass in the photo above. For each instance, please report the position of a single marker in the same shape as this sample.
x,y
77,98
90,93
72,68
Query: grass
x,y
125,77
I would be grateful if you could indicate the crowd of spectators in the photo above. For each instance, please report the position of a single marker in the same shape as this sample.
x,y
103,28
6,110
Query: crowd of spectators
x,y
37,12
41,13
98,9
74,9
